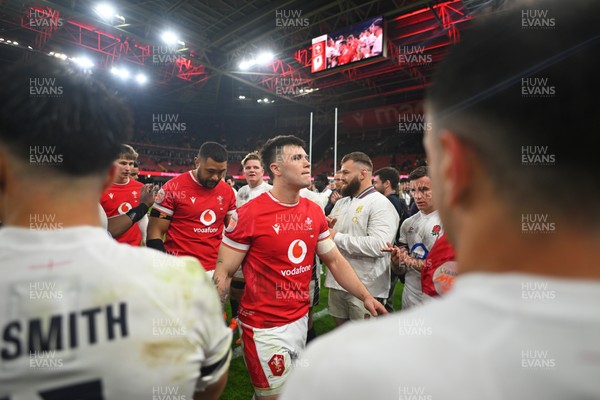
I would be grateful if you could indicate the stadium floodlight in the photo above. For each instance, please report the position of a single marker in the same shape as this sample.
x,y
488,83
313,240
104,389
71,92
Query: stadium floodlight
x,y
105,10
266,100
241,97
1,39
246,64
83,62
169,37
264,57
16,43
259,101
141,78
120,72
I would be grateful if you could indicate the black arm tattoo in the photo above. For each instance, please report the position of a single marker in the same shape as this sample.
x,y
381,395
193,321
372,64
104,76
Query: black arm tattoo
x,y
222,291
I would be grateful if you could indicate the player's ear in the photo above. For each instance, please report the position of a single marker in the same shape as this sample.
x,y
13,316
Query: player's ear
x,y
363,174
197,161
274,167
457,163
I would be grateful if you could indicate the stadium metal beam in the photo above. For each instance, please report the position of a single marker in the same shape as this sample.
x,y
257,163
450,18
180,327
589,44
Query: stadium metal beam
x,y
296,72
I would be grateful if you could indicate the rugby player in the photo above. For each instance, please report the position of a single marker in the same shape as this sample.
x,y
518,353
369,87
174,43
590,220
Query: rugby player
x,y
276,236
83,316
192,209
124,195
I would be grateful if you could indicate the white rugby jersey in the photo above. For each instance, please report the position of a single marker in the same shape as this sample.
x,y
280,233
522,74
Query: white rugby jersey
x,y
420,233
246,193
81,313
493,337
364,224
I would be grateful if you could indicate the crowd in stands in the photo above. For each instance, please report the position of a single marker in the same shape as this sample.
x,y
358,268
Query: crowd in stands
x,y
175,153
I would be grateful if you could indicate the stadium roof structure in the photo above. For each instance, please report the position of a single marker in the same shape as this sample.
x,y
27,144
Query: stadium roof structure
x,y
202,71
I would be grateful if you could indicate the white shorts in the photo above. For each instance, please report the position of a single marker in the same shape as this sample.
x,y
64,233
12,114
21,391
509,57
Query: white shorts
x,y
343,305
270,353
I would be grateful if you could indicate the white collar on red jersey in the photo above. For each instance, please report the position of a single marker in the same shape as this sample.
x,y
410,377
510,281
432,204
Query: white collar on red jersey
x,y
122,184
193,176
283,204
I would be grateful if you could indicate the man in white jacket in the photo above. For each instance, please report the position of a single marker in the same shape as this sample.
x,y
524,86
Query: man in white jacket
x,y
361,224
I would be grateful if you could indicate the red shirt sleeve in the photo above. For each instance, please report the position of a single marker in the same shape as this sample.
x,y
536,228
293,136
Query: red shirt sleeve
x,y
165,199
239,232
231,207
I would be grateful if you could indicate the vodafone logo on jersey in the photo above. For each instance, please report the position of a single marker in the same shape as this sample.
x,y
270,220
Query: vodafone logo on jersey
x,y
124,207
297,251
208,217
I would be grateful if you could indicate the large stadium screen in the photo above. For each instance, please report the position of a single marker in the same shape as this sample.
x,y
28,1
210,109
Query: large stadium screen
x,y
349,46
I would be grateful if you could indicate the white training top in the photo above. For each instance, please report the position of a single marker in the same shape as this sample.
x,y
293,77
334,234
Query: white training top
x,y
312,196
493,337
365,223
79,311
420,233
246,193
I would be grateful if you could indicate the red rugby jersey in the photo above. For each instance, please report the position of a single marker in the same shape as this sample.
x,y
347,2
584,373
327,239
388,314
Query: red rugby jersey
x,y
280,241
198,217
117,200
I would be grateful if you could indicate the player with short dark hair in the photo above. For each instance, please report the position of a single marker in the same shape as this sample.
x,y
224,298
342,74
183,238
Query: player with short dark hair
x,y
135,171
231,182
84,316
418,235
275,237
192,209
